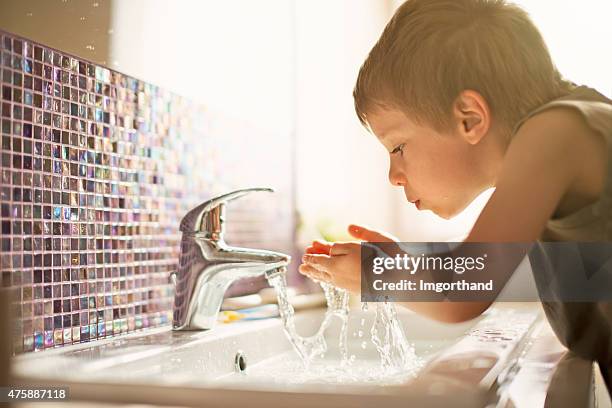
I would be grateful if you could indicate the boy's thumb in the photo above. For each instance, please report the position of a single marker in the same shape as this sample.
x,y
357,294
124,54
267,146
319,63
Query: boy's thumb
x,y
369,235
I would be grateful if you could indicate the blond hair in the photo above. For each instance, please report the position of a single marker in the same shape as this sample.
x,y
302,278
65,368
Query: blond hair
x,y
431,50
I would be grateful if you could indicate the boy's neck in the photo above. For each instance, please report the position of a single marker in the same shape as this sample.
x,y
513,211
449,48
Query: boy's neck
x,y
493,151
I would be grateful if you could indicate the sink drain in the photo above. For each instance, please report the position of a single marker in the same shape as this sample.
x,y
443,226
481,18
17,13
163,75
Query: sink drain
x,y
240,362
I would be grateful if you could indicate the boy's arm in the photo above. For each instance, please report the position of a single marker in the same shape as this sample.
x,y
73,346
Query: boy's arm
x,y
544,160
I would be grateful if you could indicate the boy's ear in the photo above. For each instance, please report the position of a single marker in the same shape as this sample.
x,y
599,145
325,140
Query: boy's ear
x,y
472,116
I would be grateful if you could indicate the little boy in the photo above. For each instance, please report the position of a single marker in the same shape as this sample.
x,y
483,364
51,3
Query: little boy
x,y
464,96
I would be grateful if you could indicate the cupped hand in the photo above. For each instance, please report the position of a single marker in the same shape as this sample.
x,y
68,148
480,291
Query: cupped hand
x,y
339,263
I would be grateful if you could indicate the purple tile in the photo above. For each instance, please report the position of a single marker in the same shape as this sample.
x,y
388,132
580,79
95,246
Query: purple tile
x,y
48,338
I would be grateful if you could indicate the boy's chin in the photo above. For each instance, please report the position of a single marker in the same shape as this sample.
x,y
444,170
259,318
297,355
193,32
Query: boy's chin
x,y
447,210
445,213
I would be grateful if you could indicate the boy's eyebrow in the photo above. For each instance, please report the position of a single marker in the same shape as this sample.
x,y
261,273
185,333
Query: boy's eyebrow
x,y
387,131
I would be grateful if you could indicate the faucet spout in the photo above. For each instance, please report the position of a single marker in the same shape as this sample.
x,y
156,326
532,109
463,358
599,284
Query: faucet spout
x,y
207,267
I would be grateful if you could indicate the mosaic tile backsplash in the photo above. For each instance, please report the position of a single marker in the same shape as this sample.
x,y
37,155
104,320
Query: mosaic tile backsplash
x,y
97,170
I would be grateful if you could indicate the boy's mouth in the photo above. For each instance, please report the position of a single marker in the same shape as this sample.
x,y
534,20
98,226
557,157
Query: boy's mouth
x,y
417,203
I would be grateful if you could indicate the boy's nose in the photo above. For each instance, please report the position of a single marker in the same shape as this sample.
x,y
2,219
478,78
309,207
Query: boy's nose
x,y
396,178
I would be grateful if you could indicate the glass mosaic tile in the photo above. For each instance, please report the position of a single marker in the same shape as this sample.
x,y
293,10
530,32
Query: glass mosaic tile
x,y
97,169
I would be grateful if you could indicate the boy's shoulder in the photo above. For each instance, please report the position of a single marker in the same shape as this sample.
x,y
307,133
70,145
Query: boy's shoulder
x,y
581,112
560,127
563,138
558,133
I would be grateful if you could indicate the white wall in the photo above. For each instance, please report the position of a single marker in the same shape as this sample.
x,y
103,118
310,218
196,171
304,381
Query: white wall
x,y
342,170
578,35
234,56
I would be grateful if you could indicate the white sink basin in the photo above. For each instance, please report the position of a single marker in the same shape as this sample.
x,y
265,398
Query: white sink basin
x,y
183,368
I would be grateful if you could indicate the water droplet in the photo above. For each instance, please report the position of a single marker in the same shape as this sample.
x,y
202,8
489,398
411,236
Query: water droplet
x,y
82,18
96,4
110,31
29,14
360,333
364,344
90,47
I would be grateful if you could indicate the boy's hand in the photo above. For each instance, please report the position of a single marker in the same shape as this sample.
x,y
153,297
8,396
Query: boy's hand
x,y
339,263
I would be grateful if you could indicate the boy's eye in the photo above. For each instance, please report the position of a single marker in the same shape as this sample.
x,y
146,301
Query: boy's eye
x,y
399,148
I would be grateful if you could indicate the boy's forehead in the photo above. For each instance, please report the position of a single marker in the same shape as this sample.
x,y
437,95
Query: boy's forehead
x,y
384,121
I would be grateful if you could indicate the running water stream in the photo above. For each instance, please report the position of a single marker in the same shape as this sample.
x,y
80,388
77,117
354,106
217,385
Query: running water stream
x,y
397,356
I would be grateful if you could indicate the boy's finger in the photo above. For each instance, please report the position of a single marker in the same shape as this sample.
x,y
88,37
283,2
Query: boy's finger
x,y
320,262
308,270
342,248
323,246
304,269
314,273
318,247
314,250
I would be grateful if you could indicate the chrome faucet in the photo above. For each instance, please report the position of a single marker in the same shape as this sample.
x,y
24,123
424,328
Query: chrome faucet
x,y
208,266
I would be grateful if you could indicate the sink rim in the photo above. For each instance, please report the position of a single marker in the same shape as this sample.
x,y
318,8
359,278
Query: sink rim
x,y
193,338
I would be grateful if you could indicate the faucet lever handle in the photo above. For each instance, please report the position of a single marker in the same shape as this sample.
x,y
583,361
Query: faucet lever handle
x,y
208,216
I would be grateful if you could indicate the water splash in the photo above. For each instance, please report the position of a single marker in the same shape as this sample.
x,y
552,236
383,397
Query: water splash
x,y
396,353
306,347
337,305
